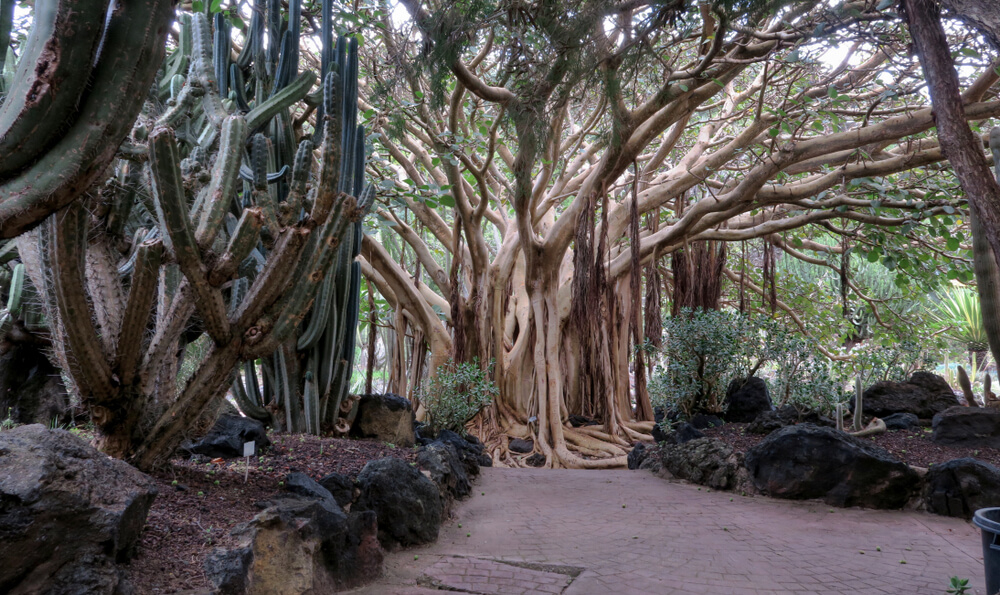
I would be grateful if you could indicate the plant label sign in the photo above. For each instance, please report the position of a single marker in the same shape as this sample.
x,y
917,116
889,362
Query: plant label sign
x,y
248,449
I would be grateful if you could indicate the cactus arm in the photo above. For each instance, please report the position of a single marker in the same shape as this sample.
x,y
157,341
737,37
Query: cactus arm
x,y
255,36
262,197
220,54
182,105
16,290
203,69
963,381
238,87
104,287
208,381
317,322
51,77
329,172
134,45
141,296
243,240
172,319
6,24
225,175
245,402
262,113
171,210
66,241
269,284
292,207
858,404
123,203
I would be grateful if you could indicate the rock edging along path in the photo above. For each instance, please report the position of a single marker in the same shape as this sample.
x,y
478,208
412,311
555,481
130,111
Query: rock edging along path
x,y
576,532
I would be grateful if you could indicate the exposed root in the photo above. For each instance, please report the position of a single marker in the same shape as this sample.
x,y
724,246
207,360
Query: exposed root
x,y
876,426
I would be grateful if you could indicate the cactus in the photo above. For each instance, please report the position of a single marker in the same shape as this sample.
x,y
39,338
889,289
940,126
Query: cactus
x,y
963,381
210,225
858,405
57,143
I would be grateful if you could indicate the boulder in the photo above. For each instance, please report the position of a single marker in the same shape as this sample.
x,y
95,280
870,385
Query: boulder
x,y
705,461
298,545
470,451
960,487
387,417
684,433
967,426
535,460
340,486
659,434
702,421
68,513
789,415
522,446
746,399
407,503
901,421
302,485
637,455
808,461
227,436
924,395
441,462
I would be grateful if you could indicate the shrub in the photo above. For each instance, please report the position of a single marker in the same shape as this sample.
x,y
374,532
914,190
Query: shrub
x,y
705,350
457,394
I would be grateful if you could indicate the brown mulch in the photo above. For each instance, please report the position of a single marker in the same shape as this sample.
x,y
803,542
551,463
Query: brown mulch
x,y
199,503
913,447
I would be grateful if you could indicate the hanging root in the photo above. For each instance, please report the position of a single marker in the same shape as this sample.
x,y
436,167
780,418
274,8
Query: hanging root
x,y
876,426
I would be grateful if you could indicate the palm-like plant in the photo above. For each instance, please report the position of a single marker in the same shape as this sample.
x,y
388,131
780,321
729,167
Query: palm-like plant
x,y
959,318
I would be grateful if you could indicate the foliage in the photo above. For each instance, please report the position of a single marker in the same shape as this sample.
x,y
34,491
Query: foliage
x,y
888,357
704,351
457,394
958,586
959,318
803,376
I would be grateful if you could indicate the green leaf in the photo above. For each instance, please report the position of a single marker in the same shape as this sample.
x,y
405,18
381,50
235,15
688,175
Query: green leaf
x,y
953,243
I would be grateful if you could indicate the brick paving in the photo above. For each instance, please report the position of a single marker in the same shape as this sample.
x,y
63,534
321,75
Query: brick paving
x,y
630,532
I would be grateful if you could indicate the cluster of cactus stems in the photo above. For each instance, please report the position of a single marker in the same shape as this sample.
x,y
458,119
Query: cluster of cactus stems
x,y
80,80
215,223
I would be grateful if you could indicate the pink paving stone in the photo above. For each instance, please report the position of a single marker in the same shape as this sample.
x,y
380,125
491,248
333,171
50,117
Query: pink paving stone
x,y
573,518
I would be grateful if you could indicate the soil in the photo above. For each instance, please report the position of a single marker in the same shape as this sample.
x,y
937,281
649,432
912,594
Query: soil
x,y
913,447
200,502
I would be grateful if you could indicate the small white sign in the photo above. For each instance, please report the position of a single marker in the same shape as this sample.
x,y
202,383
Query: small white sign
x,y
248,449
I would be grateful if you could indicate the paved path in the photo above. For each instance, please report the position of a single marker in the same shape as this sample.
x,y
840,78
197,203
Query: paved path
x,y
630,532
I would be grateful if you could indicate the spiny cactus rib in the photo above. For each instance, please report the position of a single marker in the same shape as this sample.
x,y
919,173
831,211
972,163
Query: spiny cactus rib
x,y
180,60
225,175
290,210
298,89
326,60
107,297
203,68
237,88
124,201
51,77
134,44
255,36
141,296
171,210
244,238
66,239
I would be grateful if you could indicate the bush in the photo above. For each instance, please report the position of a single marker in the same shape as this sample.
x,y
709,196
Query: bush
x,y
456,395
705,350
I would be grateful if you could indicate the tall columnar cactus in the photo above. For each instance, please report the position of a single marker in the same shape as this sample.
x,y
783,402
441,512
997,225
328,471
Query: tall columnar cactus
x,y
308,379
859,404
204,231
81,78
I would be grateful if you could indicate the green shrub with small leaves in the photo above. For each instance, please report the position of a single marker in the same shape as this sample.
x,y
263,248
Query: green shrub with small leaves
x,y
457,394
